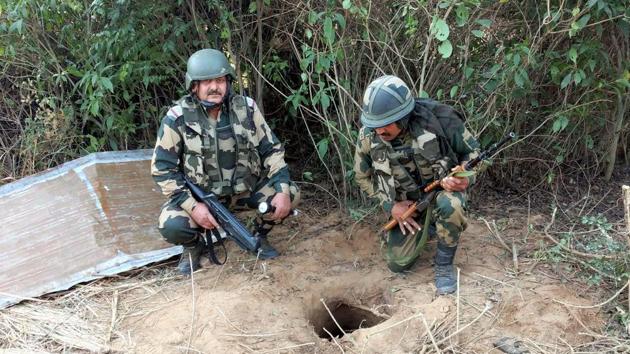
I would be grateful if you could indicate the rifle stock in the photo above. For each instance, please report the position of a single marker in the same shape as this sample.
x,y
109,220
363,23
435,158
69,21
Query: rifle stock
x,y
235,230
430,189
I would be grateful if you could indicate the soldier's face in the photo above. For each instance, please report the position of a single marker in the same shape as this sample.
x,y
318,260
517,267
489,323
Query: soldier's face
x,y
388,132
211,90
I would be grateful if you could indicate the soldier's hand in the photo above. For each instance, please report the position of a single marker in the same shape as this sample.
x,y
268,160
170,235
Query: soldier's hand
x,y
408,224
454,184
203,218
282,203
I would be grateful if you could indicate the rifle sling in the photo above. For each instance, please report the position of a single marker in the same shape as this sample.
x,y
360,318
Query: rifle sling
x,y
211,253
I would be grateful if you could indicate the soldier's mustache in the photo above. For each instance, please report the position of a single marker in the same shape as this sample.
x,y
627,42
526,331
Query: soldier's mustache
x,y
214,92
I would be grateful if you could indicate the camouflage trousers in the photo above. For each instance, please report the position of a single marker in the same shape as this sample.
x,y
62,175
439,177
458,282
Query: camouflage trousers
x,y
177,227
448,213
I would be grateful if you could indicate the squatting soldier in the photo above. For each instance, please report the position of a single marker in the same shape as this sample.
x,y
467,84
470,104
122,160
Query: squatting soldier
x,y
405,142
221,141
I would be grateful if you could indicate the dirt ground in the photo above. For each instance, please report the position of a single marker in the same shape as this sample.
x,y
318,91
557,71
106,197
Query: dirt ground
x,y
278,305
329,263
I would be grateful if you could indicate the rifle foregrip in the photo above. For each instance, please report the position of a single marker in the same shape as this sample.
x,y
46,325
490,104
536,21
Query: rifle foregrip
x,y
432,186
393,222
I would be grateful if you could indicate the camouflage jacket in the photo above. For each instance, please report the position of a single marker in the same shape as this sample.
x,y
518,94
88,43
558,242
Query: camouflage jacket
x,y
392,171
226,158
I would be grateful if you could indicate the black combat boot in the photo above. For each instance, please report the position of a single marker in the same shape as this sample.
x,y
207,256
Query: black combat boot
x,y
445,280
190,253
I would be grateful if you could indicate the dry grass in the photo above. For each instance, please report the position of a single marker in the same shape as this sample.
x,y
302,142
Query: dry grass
x,y
84,319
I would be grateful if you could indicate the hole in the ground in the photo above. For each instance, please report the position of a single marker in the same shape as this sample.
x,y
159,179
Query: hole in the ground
x,y
349,318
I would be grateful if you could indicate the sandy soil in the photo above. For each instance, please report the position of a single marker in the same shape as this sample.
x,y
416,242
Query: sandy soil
x,y
278,305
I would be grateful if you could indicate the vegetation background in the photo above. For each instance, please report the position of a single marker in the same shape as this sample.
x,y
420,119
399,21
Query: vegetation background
x,y
86,76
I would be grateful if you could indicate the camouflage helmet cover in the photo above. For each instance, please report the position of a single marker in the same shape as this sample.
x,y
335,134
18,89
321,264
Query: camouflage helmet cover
x,y
386,100
207,64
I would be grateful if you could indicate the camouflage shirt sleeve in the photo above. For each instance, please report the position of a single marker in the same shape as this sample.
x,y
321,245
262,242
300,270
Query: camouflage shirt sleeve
x,y
271,153
464,144
165,164
363,170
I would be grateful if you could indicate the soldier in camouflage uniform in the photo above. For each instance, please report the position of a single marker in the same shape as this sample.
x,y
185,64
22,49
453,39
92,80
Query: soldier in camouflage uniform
x,y
403,143
221,142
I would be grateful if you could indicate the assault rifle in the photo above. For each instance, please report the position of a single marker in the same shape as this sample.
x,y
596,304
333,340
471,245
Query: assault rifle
x,y
235,230
431,188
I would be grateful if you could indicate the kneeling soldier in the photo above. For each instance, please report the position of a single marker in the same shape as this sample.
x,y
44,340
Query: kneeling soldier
x,y
401,145
221,142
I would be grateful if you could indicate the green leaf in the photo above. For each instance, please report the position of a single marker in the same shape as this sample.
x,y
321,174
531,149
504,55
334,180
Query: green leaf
x,y
307,176
329,33
566,81
577,78
464,174
572,54
454,91
559,124
581,23
468,72
519,80
325,101
107,83
340,20
439,94
484,22
322,148
346,4
109,122
516,59
590,143
424,94
560,158
477,33
94,107
462,14
17,26
441,30
446,49
313,17
575,11
309,33
252,7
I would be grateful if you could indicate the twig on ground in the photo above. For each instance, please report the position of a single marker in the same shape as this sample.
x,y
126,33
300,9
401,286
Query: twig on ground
x,y
252,335
515,258
495,233
335,320
426,325
334,340
457,317
113,321
192,315
247,347
395,324
486,309
285,348
593,306
228,320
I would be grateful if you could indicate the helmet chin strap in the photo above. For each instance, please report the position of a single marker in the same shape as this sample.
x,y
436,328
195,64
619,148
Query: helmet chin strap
x,y
212,105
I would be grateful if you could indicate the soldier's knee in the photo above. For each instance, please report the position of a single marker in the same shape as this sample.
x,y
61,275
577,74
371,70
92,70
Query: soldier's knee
x,y
177,231
449,205
397,266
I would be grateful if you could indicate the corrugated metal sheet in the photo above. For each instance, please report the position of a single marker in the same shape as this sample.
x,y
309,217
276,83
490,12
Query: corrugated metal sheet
x,y
86,219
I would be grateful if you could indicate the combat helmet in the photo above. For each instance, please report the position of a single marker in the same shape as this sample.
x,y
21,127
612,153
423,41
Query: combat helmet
x,y
207,64
386,100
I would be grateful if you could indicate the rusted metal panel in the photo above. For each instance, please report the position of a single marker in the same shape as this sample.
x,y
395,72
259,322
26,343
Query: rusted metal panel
x,y
88,218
